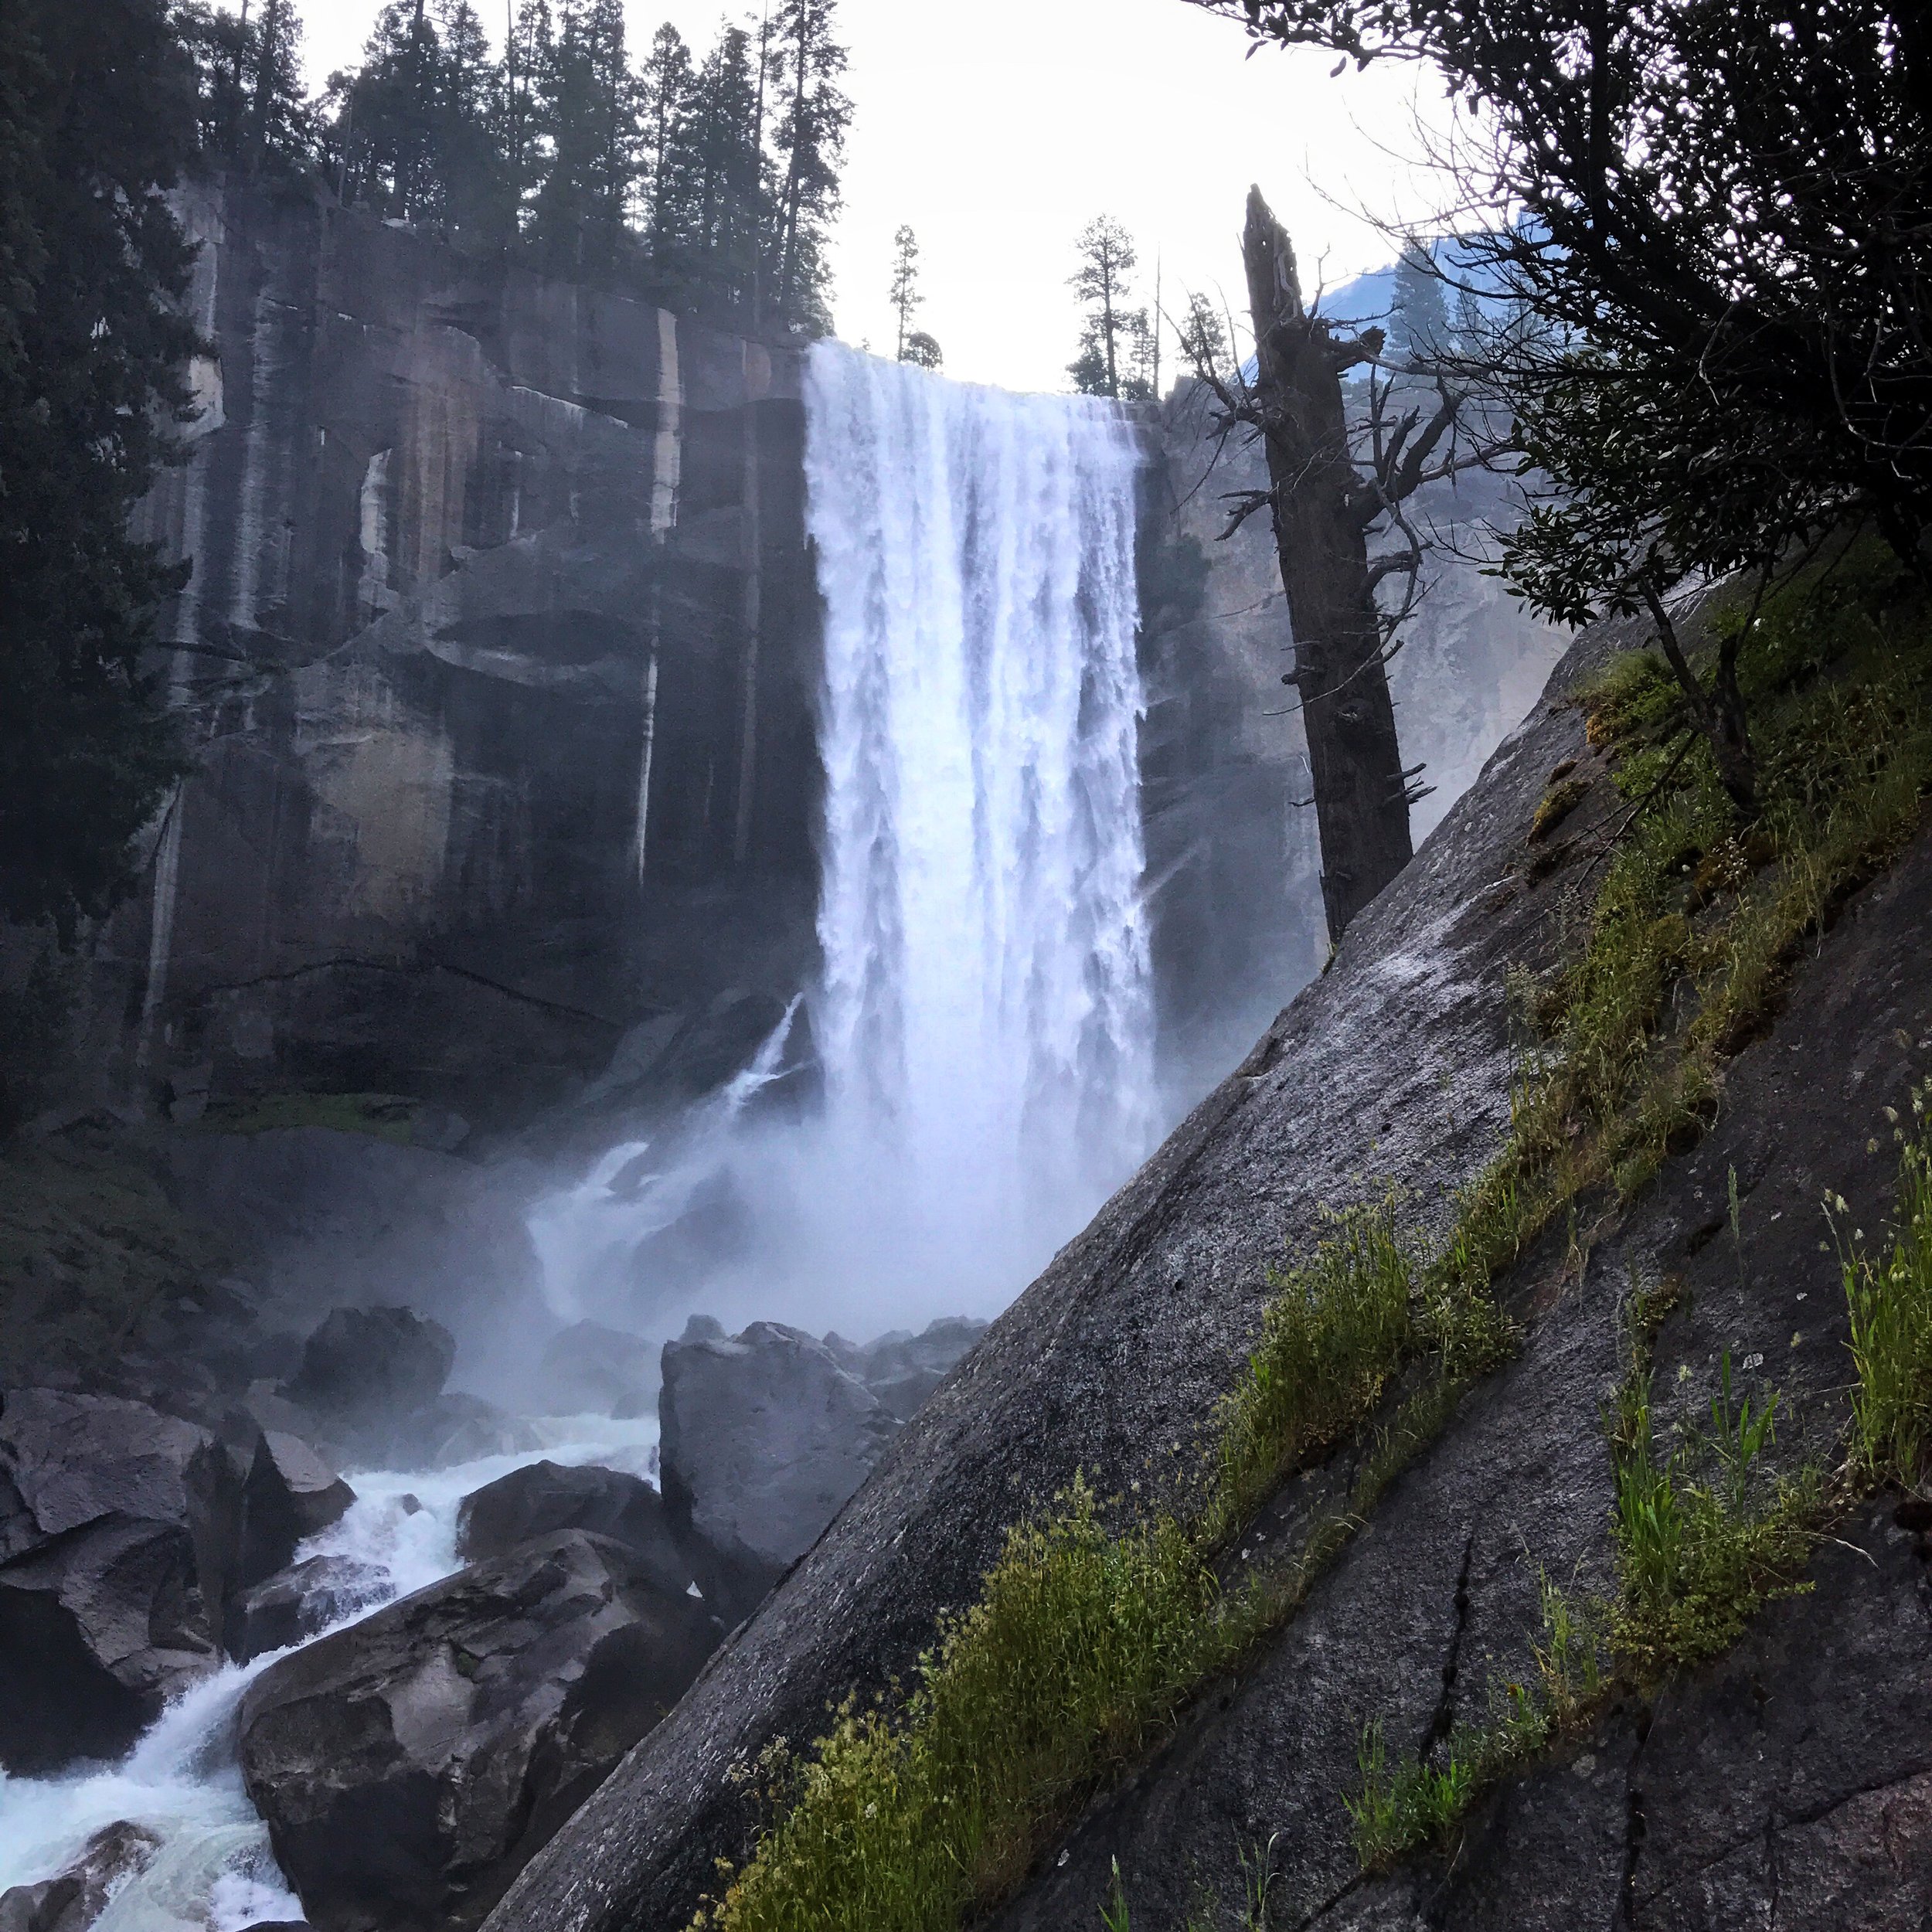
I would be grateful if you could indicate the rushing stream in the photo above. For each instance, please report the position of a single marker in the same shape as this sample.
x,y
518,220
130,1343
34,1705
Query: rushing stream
x,y
214,1869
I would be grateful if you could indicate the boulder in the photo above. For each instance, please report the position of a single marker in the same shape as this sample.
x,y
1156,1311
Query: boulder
x,y
364,1366
543,1498
408,1766
455,1428
71,1902
119,1530
902,1369
765,1436
591,1369
291,1494
301,1601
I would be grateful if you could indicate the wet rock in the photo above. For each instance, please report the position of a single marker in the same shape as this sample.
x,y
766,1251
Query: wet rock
x,y
301,1601
455,1428
592,1369
119,1529
291,1494
902,1369
543,1498
71,1902
764,1437
410,1765
364,1366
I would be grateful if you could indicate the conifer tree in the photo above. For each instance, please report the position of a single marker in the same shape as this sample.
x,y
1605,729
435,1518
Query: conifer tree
x,y
811,139
97,120
665,95
1107,260
904,298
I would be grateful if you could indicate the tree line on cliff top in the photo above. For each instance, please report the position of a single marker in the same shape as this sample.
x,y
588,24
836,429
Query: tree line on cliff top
x,y
706,182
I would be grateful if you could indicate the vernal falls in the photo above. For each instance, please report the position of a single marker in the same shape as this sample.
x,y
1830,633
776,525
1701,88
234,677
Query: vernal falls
x,y
982,1018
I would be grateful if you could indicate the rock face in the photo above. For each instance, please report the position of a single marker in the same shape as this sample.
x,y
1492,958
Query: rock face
x,y
71,1902
500,585
543,1498
764,1437
301,1601
118,1535
291,1493
1784,1783
408,1766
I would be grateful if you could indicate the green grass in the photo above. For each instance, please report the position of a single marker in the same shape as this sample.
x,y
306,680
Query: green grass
x,y
1096,1627
1889,1302
383,1117
1704,1536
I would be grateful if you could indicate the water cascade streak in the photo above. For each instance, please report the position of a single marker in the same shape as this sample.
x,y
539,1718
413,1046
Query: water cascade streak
x,y
985,1016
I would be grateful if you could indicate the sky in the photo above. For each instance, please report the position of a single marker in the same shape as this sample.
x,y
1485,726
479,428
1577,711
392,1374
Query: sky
x,y
998,128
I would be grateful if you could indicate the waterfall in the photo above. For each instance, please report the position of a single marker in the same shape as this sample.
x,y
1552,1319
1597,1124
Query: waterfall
x,y
983,1015
984,1018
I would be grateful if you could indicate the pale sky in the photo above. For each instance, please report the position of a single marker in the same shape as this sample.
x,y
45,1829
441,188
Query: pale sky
x,y
998,128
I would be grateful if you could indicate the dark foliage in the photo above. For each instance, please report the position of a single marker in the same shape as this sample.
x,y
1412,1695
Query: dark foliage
x,y
706,184
97,118
1720,243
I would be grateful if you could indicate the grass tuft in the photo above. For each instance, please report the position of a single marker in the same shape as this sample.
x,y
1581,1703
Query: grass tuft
x,y
1890,1306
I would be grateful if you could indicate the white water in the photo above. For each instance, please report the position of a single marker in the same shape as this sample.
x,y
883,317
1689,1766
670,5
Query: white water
x,y
984,1017
215,1870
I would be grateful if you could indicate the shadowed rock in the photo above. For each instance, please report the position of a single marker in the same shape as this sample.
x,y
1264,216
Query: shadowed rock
x,y
543,1498
291,1493
365,1364
118,1534
408,1766
299,1601
764,1437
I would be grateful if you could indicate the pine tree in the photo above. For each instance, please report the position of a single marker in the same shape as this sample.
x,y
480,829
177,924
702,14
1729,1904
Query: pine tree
x,y
719,171
1419,320
1107,260
811,139
664,96
579,221
905,296
529,48
252,108
97,120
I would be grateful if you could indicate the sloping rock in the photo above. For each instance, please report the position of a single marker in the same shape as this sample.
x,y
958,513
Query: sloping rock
x,y
71,1902
118,1535
543,1498
1798,1760
408,1766
763,1437
301,1601
291,1493
364,1366
589,1369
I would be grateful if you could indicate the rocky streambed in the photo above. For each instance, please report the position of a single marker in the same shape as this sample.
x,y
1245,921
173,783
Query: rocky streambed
x,y
351,1650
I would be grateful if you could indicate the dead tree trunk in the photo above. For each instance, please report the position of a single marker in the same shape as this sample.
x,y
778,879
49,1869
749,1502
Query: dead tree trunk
x,y
1361,795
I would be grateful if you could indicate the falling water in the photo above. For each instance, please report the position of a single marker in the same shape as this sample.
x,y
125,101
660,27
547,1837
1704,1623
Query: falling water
x,y
984,1018
983,1015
